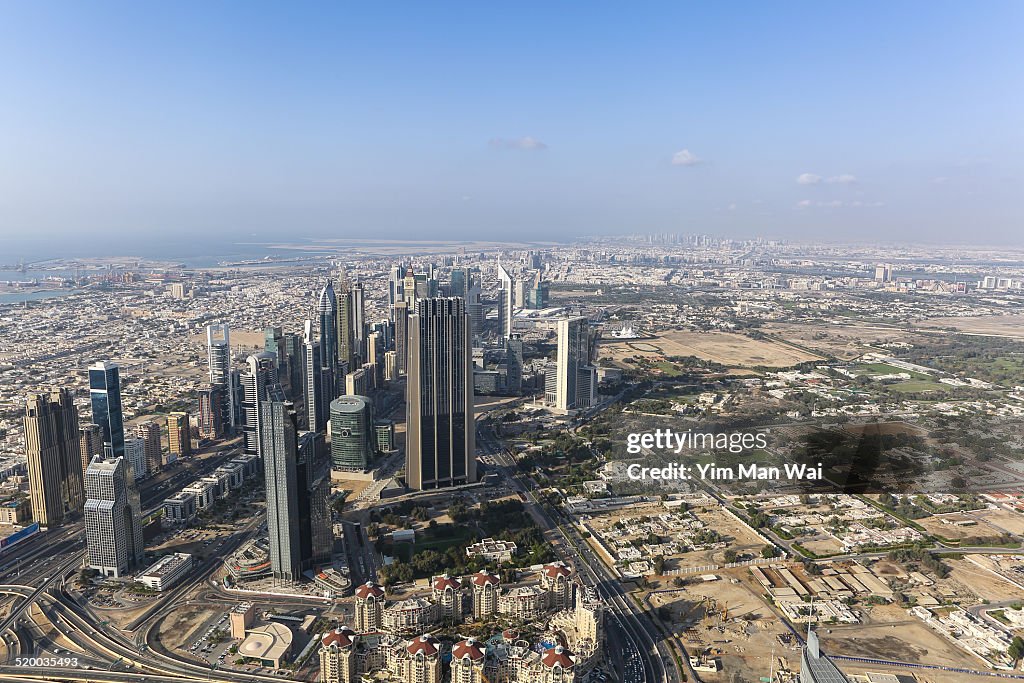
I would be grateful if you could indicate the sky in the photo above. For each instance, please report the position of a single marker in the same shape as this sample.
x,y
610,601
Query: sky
x,y
165,122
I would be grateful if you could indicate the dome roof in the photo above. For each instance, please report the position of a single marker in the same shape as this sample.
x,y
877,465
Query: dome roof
x,y
425,644
483,578
556,569
342,636
469,648
444,581
369,589
557,656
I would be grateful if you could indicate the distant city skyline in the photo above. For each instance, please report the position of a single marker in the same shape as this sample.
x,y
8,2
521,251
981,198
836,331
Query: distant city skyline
x,y
142,129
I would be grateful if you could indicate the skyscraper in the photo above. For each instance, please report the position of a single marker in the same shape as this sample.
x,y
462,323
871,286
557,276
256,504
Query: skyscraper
x,y
219,353
179,435
113,519
359,320
149,432
346,334
105,392
298,519
506,303
441,427
90,443
53,449
279,439
401,314
575,377
514,364
353,442
135,455
314,379
327,307
262,374
210,419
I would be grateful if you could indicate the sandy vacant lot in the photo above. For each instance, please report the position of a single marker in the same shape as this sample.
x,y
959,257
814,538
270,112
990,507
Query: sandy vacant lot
x,y
733,350
995,325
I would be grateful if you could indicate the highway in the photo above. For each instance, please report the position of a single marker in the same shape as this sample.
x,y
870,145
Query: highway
x,y
656,664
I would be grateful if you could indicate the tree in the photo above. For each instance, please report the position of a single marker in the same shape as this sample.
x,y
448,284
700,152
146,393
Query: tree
x,y
730,556
769,551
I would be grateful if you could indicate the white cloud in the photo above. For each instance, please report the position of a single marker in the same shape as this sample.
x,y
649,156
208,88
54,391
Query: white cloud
x,y
528,143
804,203
815,179
836,204
685,157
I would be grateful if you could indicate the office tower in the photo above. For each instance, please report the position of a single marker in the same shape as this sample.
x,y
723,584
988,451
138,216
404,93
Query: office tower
x,y
210,424
390,366
475,307
458,283
409,289
359,319
816,667
90,443
520,287
292,344
298,520
439,404
149,432
346,333
315,377
353,441
113,519
135,454
327,307
401,316
105,393
374,348
537,294
395,286
273,342
316,537
357,383
53,450
514,364
279,440
179,435
884,272
219,354
262,374
506,302
575,381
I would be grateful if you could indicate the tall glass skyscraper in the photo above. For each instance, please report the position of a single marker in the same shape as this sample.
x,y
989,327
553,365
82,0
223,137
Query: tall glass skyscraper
x,y
327,307
279,438
105,392
439,400
113,518
219,354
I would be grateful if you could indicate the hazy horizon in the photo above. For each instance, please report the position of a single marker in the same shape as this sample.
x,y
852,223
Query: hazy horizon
x,y
135,126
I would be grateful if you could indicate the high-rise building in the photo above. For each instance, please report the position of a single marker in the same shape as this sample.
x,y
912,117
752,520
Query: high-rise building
x,y
401,316
575,378
262,374
396,286
179,435
353,441
273,342
318,384
369,610
149,432
327,307
298,520
506,303
441,428
135,454
514,364
219,353
210,418
90,443
53,450
292,345
113,519
346,333
359,320
357,383
105,393
279,440
458,282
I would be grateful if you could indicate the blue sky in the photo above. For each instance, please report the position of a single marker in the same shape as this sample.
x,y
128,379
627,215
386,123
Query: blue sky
x,y
858,121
